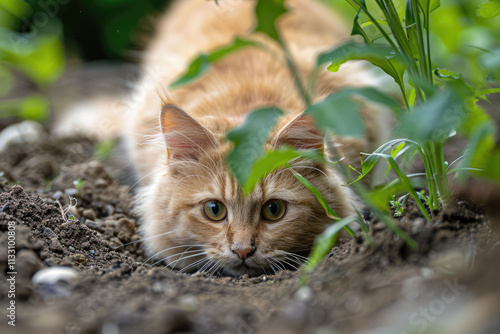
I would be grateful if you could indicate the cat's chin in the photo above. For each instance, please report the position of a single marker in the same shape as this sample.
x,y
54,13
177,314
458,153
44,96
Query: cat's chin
x,y
241,270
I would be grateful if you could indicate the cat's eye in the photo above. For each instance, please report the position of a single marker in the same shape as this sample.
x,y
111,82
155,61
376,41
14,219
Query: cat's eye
x,y
214,210
273,210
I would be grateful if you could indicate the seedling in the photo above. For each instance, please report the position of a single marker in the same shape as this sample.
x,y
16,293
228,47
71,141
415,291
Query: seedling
x,y
399,204
78,183
64,211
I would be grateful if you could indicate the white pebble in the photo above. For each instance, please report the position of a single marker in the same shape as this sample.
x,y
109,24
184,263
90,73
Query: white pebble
x,y
20,133
53,275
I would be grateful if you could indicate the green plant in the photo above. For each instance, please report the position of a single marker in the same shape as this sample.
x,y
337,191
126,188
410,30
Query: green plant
x,y
37,56
104,149
78,183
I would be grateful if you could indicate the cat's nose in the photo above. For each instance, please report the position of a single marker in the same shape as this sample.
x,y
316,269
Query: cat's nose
x,y
244,253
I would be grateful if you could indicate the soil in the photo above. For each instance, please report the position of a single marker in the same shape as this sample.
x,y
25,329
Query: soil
x,y
449,284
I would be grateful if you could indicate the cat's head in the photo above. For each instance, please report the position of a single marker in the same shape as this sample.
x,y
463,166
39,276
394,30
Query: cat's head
x,y
197,210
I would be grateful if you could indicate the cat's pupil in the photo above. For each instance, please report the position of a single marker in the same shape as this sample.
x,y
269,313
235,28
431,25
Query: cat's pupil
x,y
215,208
273,208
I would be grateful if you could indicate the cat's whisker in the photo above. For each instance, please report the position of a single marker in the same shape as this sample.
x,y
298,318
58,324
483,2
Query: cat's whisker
x,y
183,270
294,260
264,270
291,254
214,268
279,265
165,250
275,264
145,176
291,265
208,264
174,263
271,266
182,253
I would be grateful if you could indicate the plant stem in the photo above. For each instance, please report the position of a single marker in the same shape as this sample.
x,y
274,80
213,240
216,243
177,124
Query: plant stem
x,y
440,172
404,180
420,39
428,38
431,183
404,50
297,78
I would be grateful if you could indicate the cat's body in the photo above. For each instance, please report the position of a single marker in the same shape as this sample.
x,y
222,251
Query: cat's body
x,y
189,176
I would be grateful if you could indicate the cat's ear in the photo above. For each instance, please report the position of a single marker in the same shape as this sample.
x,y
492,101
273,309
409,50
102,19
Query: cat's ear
x,y
185,136
300,133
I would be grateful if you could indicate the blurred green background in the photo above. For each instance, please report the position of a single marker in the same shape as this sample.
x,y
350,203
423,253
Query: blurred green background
x,y
40,39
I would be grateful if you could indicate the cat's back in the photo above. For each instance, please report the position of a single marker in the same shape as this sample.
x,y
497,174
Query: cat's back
x,y
191,27
248,78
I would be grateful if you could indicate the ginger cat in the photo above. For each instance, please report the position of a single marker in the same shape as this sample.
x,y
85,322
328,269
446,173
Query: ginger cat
x,y
194,214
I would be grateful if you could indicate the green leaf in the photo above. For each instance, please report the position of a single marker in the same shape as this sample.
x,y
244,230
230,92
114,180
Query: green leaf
x,y
489,10
267,12
411,29
196,69
339,113
434,120
41,60
34,107
237,44
432,5
458,83
394,153
371,160
325,241
274,160
328,210
481,142
383,57
357,29
203,62
249,139
383,194
405,181
428,6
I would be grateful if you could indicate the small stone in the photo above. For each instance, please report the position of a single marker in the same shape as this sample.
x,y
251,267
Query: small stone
x,y
126,226
125,268
89,214
86,245
101,183
110,222
303,294
48,232
71,191
93,225
71,249
108,231
54,275
109,209
55,245
20,133
79,258
58,194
